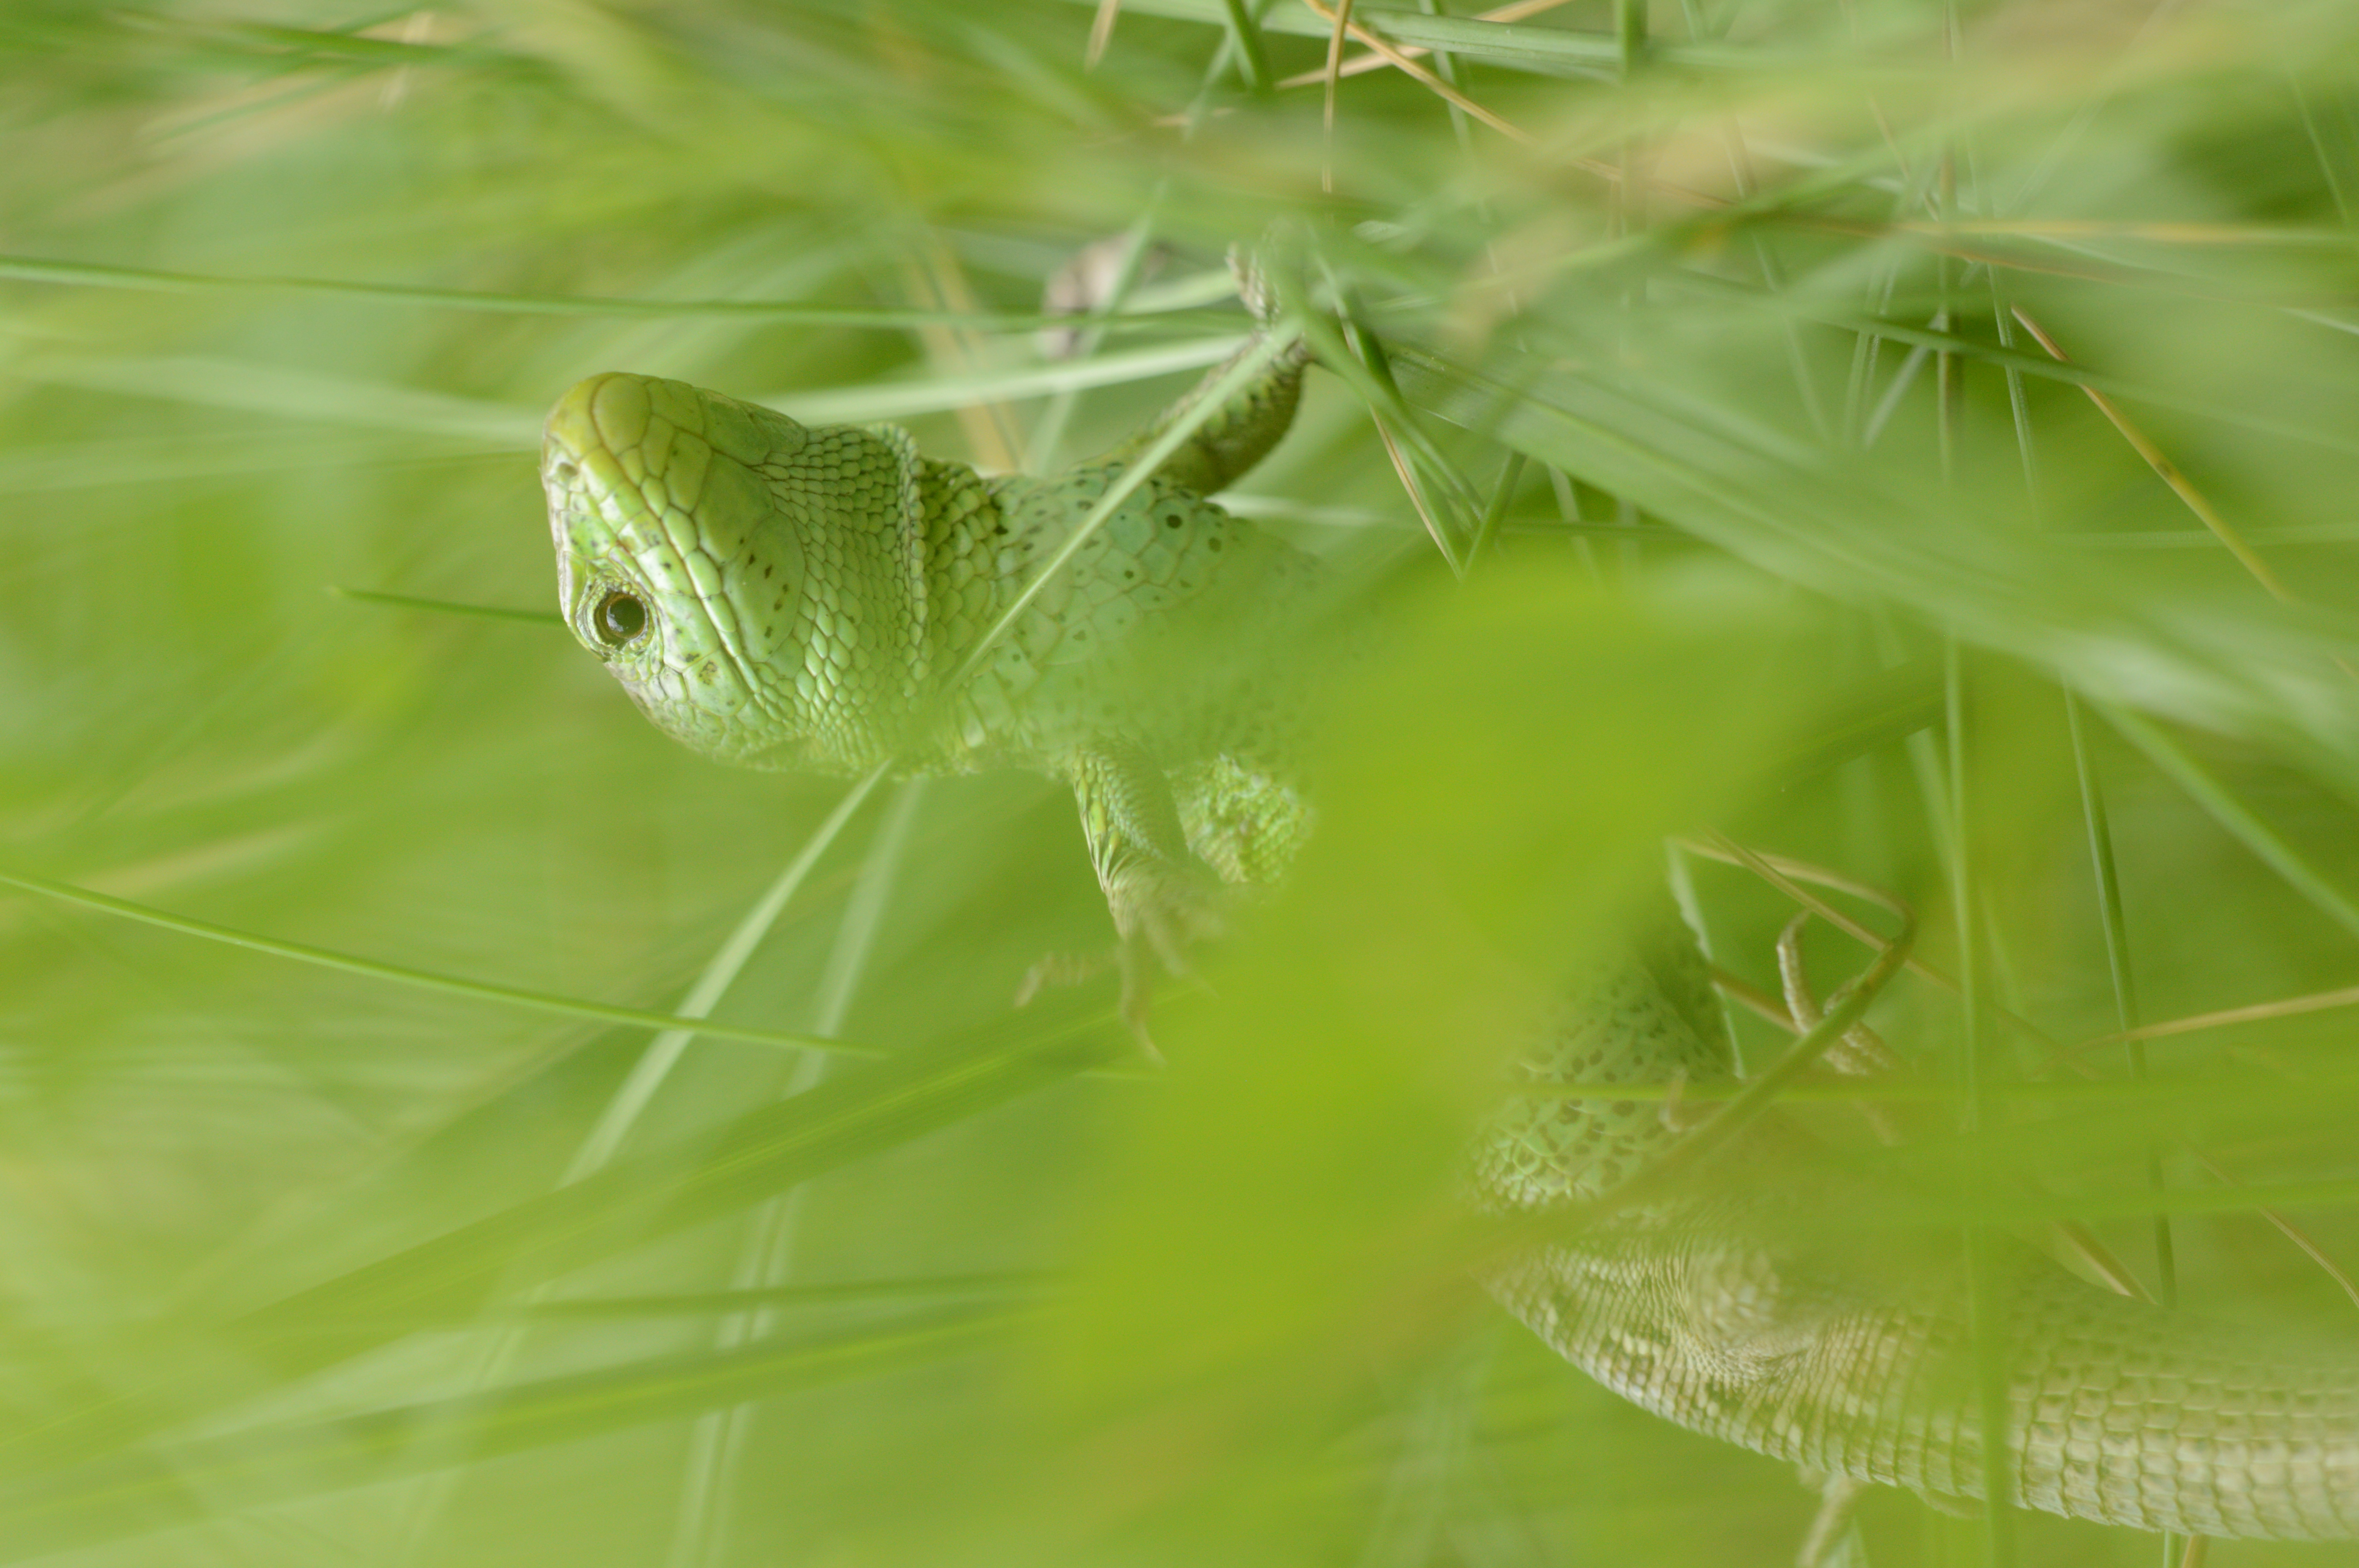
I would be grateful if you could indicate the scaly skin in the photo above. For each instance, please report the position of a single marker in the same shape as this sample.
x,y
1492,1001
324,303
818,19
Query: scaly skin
x,y
806,599
1721,1312
809,599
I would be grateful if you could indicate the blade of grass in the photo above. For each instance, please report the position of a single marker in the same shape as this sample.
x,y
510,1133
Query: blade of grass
x,y
632,1200
422,979
154,280
548,618
211,1479
2238,819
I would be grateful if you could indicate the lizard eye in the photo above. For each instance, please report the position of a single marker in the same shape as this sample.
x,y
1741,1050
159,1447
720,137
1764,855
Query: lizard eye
x,y
619,618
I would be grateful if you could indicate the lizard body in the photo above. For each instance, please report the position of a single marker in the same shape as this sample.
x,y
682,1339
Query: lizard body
x,y
814,599
1718,1311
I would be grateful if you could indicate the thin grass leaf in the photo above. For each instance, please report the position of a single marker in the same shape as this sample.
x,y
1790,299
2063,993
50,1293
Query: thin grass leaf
x,y
208,1478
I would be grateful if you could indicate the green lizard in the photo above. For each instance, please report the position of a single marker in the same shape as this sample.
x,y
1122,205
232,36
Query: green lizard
x,y
1723,1307
816,599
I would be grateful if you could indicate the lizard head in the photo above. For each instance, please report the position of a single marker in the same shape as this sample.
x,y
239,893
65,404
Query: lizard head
x,y
710,554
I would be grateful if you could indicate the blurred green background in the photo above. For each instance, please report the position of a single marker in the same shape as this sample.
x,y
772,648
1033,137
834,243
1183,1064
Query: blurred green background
x,y
1693,429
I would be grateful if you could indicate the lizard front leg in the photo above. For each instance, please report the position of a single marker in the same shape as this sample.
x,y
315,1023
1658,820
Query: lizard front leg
x,y
1241,432
1162,898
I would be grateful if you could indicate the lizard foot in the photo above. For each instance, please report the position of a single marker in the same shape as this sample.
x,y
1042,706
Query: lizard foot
x,y
1832,1532
1074,968
1160,914
1163,911
1063,969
